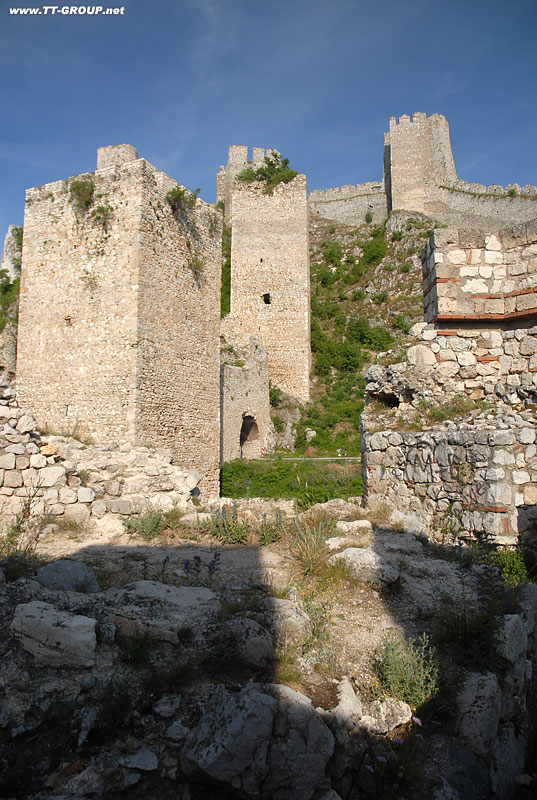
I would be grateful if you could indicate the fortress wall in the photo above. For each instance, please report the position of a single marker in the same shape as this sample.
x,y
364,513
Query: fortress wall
x,y
490,208
77,336
476,476
469,275
270,262
349,204
245,393
177,383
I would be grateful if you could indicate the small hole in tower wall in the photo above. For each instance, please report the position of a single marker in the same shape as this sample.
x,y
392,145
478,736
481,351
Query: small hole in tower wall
x,y
266,299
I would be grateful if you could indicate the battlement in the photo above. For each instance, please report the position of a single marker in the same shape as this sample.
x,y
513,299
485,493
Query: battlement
x,y
237,161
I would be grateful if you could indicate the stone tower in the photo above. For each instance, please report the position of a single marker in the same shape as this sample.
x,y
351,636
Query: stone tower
x,y
119,311
270,288
417,159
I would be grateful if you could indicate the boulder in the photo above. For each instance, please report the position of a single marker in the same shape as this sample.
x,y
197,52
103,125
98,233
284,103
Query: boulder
x,y
289,621
55,637
68,576
263,742
254,643
367,565
161,609
385,715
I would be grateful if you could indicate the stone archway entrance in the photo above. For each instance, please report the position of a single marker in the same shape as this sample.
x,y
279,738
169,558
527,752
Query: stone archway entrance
x,y
249,437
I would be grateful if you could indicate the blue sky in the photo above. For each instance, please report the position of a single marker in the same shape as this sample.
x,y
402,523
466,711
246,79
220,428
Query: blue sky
x,y
183,79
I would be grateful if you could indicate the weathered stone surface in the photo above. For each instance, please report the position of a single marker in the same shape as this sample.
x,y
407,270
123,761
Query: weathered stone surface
x,y
367,565
68,576
421,356
289,620
385,715
261,743
355,527
478,712
163,609
254,643
144,760
55,637
52,476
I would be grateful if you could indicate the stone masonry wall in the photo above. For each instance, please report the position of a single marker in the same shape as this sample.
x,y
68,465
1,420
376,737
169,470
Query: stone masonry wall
x,y
419,159
245,393
480,276
350,204
118,323
178,354
87,484
477,475
270,294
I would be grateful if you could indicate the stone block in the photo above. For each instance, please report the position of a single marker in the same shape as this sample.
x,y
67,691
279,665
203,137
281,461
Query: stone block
x,y
98,508
492,257
67,496
78,512
38,461
52,476
7,461
12,479
86,494
528,346
55,637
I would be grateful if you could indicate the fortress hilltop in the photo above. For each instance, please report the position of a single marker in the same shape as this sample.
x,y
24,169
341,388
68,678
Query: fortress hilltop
x,y
119,325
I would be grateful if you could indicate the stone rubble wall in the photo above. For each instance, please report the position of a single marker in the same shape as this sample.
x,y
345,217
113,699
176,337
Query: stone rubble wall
x,y
478,363
119,323
470,276
350,204
245,392
86,484
478,475
270,260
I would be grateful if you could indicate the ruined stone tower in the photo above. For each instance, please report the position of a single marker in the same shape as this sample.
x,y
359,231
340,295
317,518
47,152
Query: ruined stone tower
x,y
417,159
270,291
119,311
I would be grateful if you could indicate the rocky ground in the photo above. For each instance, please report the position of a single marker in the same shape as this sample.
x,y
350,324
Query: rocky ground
x,y
236,654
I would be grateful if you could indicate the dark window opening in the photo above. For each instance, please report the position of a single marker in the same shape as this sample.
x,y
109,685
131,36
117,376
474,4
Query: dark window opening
x,y
266,299
249,433
260,260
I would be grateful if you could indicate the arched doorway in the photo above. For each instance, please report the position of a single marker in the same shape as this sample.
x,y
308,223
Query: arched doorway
x,y
249,437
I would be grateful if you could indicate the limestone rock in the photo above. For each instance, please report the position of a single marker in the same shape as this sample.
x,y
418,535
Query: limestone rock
x,y
367,565
354,527
55,637
68,576
163,610
254,643
263,742
144,760
289,621
478,708
386,715
337,509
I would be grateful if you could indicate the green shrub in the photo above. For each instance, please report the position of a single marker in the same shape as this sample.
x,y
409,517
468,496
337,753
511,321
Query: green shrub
x,y
275,395
374,250
102,215
332,253
81,194
376,337
368,217
148,525
225,295
397,236
512,192
278,423
407,671
309,549
401,323
274,170
510,564
180,199
380,297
